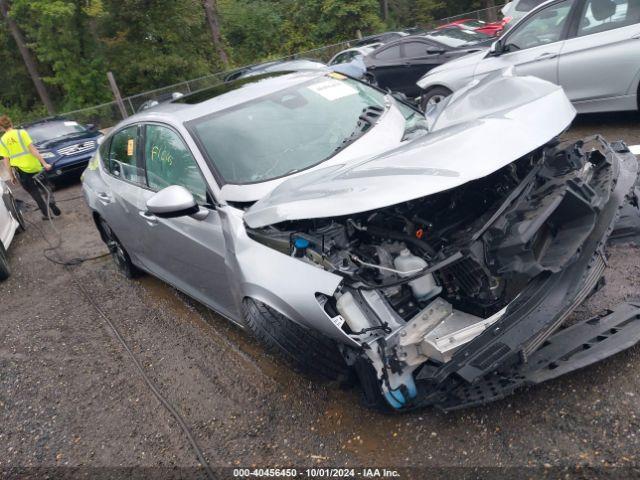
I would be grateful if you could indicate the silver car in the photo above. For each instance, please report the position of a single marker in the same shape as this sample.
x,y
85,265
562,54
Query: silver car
x,y
351,233
589,47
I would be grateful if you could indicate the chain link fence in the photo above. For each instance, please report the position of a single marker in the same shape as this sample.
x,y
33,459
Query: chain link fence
x,y
108,114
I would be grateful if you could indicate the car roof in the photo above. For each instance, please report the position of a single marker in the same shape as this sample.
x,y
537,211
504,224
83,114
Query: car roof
x,y
226,95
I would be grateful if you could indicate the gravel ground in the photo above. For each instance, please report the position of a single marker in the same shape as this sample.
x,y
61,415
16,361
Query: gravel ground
x,y
70,395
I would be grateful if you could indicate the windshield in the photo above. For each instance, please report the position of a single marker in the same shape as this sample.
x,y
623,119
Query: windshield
x,y
456,37
473,23
50,131
287,131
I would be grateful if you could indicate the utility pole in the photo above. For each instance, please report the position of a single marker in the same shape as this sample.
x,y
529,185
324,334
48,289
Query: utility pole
x,y
211,12
28,59
116,95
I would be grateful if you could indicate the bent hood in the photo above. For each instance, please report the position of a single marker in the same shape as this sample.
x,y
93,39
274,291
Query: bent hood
x,y
482,128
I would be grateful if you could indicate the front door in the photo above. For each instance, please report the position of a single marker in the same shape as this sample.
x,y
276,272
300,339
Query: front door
x,y
388,68
533,46
185,252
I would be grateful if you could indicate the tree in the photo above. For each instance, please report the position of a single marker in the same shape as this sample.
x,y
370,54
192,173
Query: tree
x,y
211,12
60,31
28,59
151,44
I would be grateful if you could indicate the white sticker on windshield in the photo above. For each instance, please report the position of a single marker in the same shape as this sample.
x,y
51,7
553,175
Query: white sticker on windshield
x,y
70,124
333,89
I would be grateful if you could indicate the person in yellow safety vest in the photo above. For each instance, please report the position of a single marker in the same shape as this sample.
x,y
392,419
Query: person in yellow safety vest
x,y
21,157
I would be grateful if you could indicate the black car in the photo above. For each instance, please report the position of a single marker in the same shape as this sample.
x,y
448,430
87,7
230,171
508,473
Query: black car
x,y
397,66
65,144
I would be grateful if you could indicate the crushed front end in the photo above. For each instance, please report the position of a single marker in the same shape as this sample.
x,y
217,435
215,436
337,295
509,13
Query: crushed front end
x,y
451,297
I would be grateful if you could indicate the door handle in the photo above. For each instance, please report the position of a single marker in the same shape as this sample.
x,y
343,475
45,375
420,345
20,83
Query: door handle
x,y
547,56
149,217
105,198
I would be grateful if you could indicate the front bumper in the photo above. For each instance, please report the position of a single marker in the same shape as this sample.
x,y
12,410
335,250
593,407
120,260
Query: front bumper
x,y
519,349
66,167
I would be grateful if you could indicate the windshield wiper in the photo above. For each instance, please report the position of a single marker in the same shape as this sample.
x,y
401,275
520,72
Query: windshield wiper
x,y
367,119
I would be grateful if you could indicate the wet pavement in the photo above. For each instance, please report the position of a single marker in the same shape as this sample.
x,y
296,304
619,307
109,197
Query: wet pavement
x,y
70,396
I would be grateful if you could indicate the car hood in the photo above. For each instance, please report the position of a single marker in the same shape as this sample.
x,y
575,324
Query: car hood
x,y
469,61
482,128
64,141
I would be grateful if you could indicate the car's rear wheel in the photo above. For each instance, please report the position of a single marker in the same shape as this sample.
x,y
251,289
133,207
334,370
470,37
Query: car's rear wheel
x,y
5,271
118,252
306,349
432,97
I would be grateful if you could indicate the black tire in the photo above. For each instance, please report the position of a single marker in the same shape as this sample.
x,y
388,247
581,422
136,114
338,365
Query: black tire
x,y
5,271
307,350
17,214
435,94
118,252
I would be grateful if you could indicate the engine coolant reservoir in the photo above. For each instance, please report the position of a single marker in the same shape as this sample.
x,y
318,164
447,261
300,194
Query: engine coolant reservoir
x,y
352,314
424,288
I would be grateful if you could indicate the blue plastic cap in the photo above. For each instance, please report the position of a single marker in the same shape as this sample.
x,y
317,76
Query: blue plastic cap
x,y
301,243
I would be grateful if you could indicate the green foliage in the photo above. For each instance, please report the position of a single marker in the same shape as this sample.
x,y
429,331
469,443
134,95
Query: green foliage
x,y
154,43
60,33
150,44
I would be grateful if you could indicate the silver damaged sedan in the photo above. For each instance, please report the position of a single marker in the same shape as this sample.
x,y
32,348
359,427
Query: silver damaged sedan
x,y
433,258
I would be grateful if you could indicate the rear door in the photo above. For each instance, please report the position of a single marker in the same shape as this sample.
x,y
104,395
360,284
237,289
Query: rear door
x,y
183,251
602,60
534,45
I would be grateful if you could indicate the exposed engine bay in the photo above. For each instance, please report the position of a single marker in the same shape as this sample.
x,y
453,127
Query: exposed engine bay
x,y
424,278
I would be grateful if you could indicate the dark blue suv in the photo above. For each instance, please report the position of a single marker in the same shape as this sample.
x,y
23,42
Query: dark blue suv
x,y
65,144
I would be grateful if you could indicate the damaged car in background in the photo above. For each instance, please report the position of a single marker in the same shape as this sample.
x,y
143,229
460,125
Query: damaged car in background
x,y
437,257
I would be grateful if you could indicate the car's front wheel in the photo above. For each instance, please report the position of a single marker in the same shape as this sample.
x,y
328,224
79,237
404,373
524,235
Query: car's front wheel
x,y
306,349
432,97
118,252
17,213
4,264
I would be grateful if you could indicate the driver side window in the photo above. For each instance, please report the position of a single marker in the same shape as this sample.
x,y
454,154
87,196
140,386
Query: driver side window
x,y
170,162
542,28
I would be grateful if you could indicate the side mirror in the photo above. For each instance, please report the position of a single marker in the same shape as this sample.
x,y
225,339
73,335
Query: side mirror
x,y
172,202
497,48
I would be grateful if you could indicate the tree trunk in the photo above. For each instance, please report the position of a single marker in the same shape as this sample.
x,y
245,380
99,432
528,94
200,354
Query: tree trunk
x,y
29,61
211,11
492,14
385,9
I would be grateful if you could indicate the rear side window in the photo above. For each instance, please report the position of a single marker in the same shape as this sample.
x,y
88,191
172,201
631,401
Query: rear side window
x,y
390,53
170,162
415,49
602,15
123,159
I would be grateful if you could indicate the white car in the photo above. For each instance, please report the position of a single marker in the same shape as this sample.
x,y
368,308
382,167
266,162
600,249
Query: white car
x,y
348,55
589,47
515,10
11,220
